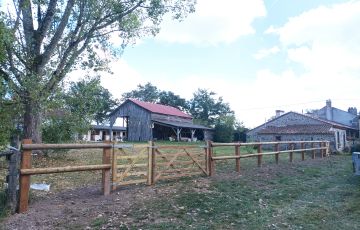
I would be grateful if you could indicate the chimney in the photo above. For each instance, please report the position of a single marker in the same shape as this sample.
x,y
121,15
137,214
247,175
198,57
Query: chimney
x,y
278,113
329,115
352,110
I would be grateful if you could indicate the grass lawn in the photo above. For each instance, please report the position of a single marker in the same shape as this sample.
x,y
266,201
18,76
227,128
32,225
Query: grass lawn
x,y
310,194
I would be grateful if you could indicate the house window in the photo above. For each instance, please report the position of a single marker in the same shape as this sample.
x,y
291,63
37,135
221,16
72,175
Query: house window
x,y
277,138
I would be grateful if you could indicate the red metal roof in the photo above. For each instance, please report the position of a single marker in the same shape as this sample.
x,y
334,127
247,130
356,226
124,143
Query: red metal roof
x,y
161,109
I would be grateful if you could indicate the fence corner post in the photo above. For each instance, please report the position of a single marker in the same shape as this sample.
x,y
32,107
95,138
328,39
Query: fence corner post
x,y
151,163
25,179
106,172
210,161
13,179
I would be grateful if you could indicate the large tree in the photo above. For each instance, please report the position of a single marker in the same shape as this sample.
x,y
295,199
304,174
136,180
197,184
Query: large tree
x,y
206,108
53,37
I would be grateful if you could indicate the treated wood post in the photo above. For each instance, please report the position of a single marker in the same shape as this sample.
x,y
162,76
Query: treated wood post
x,y
106,172
259,156
151,163
211,161
313,151
322,150
303,152
114,170
25,179
277,149
237,153
291,153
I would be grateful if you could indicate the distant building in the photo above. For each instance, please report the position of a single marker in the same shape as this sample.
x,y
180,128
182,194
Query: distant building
x,y
348,118
294,126
148,121
102,132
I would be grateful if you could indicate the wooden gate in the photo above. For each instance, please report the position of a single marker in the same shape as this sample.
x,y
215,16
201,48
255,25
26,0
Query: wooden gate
x,y
133,164
178,161
129,165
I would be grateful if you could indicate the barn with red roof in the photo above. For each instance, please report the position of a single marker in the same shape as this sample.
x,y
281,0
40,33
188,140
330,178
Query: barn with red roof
x,y
146,121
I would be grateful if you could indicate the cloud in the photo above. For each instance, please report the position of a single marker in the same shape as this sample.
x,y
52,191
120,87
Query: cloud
x,y
266,52
323,39
214,22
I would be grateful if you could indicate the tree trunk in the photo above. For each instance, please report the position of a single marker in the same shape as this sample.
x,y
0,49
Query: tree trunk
x,y
32,121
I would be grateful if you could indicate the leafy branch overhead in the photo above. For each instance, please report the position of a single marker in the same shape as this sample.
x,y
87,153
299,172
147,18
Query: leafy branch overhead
x,y
49,38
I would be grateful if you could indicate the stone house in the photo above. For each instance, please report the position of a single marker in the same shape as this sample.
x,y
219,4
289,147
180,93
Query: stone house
x,y
294,126
146,121
348,118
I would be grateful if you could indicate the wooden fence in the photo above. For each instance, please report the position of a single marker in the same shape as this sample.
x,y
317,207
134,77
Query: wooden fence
x,y
290,148
151,163
26,169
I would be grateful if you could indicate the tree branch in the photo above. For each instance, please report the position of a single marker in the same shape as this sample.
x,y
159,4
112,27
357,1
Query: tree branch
x,y
28,26
11,83
57,36
44,24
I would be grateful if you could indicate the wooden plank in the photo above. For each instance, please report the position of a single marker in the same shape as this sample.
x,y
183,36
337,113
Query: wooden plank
x,y
139,173
29,146
196,162
134,166
179,154
123,183
79,168
302,151
178,147
180,163
106,160
129,157
114,169
25,179
237,163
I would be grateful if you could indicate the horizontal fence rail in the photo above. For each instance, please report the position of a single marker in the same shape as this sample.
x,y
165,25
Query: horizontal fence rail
x,y
323,147
26,169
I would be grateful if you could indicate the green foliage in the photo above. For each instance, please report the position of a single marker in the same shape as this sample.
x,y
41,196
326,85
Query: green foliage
x,y
55,37
147,92
206,108
70,113
224,129
171,99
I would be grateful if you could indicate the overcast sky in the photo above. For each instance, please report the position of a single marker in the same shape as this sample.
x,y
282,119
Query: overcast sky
x,y
258,55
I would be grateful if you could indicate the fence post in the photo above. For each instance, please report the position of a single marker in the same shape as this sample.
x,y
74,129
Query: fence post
x,y
211,161
151,163
13,176
114,170
291,153
237,153
259,156
303,152
313,151
25,179
323,145
277,149
106,172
